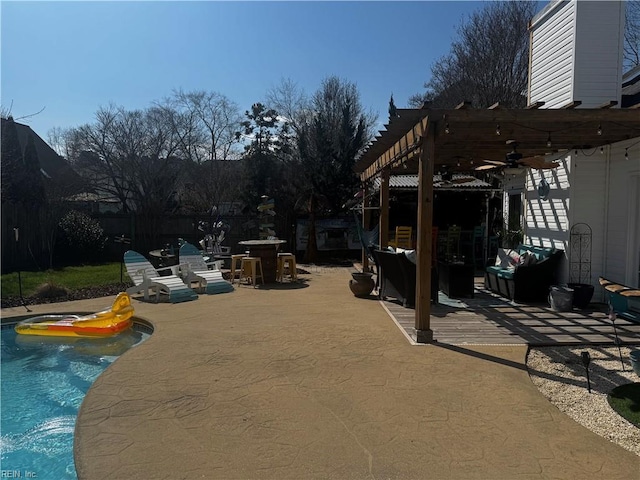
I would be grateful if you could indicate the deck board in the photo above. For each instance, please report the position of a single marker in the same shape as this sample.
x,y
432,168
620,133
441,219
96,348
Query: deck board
x,y
488,319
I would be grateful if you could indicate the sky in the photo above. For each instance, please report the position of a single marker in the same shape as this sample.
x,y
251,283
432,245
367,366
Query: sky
x,y
68,59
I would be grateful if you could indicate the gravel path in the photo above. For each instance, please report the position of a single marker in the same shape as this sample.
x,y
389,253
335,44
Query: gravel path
x,y
560,376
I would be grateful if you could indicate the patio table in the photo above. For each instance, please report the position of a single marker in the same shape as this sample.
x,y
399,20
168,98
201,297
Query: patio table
x,y
456,279
161,258
267,250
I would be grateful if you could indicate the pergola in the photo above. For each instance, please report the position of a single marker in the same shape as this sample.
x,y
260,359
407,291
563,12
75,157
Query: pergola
x,y
423,140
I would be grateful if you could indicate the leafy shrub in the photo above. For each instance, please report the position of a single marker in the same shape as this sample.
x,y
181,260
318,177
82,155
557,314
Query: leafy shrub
x,y
50,290
82,237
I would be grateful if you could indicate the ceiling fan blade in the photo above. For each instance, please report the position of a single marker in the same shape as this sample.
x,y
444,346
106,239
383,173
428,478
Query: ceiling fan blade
x,y
538,163
461,180
495,162
546,166
486,167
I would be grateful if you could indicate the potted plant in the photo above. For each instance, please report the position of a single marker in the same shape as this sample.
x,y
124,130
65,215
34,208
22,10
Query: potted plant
x,y
512,235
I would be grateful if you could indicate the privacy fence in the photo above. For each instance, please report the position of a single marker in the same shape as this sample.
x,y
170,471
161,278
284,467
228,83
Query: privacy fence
x,y
36,247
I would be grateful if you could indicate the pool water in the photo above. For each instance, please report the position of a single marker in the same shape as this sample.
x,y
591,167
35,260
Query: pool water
x,y
44,380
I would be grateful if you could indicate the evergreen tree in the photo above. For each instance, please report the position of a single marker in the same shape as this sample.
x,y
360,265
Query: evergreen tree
x,y
393,112
263,153
329,141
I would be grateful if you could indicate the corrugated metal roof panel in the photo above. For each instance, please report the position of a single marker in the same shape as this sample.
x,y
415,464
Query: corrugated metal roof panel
x,y
411,182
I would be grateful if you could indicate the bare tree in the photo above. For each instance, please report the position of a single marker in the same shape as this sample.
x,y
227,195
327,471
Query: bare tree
x,y
290,101
217,116
488,62
129,155
631,52
205,126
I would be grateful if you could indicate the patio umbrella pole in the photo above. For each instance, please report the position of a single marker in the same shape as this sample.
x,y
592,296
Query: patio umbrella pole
x,y
612,317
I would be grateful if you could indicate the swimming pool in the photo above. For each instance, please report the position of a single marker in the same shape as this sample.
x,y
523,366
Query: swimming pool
x,y
44,380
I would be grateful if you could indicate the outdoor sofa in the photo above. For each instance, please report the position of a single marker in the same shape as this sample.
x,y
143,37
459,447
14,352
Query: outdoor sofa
x,y
524,274
397,276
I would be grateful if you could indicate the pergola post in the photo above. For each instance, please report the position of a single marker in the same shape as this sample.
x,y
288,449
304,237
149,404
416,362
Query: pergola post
x,y
424,334
384,208
366,217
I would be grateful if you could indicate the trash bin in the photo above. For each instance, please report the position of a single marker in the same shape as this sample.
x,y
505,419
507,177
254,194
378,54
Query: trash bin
x,y
561,299
582,294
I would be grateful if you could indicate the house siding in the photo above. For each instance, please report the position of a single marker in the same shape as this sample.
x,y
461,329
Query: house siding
x,y
571,54
623,214
547,221
598,71
588,189
601,190
551,57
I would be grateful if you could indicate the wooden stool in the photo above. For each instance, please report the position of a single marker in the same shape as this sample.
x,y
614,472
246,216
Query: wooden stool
x,y
283,258
234,261
250,265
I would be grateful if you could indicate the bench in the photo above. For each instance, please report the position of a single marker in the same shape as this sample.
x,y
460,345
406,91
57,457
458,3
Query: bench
x,y
524,281
623,300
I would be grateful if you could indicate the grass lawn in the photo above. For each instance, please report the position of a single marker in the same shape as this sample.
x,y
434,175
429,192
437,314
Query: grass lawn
x,y
625,400
69,277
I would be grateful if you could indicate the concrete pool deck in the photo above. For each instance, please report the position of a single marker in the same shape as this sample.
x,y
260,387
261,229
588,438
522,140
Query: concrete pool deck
x,y
307,381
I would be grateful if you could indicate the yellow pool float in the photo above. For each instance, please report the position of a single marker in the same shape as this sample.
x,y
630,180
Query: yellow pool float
x,y
100,324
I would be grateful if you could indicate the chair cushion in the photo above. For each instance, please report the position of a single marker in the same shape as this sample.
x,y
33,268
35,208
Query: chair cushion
x,y
507,258
411,256
528,258
539,252
506,273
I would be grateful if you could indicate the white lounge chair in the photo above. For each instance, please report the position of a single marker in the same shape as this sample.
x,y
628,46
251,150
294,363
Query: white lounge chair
x,y
147,278
194,269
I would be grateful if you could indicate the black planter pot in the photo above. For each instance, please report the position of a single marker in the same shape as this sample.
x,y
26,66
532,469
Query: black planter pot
x,y
582,294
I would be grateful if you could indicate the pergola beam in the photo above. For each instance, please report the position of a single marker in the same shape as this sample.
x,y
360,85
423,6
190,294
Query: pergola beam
x,y
444,137
472,134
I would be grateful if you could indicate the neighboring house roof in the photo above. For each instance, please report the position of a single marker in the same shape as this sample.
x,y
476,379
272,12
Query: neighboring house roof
x,y
631,88
52,166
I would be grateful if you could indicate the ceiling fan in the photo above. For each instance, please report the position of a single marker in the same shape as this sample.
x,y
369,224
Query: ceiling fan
x,y
514,161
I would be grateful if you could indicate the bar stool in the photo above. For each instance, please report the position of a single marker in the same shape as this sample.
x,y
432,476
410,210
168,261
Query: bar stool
x,y
251,264
236,260
289,258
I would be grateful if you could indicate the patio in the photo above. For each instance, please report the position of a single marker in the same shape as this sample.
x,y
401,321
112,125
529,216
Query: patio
x,y
488,319
316,383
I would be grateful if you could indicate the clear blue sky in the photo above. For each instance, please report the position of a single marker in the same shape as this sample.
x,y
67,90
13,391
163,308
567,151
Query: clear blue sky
x,y
70,58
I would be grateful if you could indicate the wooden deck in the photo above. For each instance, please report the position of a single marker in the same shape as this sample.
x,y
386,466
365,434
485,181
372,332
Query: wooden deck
x,y
489,319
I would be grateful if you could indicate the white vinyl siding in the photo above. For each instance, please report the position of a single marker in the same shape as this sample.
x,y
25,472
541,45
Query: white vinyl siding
x,y
588,189
552,47
598,58
576,54
547,221
621,251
